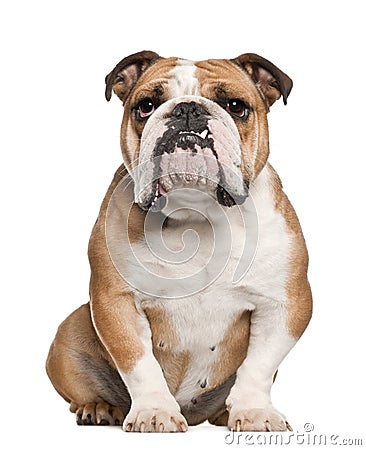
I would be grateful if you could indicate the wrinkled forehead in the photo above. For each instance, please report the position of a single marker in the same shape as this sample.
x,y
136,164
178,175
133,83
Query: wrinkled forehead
x,y
173,77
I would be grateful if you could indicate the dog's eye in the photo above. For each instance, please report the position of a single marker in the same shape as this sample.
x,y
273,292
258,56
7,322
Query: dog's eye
x,y
145,108
237,108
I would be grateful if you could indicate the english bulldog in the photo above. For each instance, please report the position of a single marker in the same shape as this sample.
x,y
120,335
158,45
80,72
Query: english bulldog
x,y
199,282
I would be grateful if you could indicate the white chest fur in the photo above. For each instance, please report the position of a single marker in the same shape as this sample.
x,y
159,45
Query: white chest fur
x,y
237,251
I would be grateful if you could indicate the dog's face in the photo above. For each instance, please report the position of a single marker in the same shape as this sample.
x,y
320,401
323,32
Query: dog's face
x,y
197,125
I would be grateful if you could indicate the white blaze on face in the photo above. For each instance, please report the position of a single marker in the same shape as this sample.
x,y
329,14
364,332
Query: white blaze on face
x,y
183,80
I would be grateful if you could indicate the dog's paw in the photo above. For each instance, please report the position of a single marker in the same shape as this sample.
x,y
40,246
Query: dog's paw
x,y
257,419
98,414
155,420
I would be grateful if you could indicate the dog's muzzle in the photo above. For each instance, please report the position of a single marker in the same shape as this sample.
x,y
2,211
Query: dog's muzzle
x,y
196,146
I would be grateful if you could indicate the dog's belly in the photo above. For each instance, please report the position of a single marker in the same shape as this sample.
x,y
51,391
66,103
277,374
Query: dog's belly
x,y
199,341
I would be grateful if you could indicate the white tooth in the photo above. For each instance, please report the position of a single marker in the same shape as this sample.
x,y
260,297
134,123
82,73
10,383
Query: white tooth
x,y
203,134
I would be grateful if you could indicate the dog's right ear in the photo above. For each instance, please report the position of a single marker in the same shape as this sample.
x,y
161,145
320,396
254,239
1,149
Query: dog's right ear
x,y
124,76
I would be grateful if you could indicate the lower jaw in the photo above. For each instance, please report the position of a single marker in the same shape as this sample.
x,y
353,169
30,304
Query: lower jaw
x,y
185,193
190,193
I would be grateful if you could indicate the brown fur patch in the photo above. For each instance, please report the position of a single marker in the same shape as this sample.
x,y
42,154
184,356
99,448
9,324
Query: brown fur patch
x,y
152,84
75,333
221,80
299,307
117,322
232,349
114,313
164,342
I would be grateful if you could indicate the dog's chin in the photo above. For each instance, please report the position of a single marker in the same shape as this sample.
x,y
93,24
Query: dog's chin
x,y
190,192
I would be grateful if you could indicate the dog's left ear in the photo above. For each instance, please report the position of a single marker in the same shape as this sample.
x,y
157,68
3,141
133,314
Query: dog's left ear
x,y
270,80
124,76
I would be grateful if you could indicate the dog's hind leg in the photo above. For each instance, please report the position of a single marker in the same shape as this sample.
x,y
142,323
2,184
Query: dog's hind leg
x,y
82,372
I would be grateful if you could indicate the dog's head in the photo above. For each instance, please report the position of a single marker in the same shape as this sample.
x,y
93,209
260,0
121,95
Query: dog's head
x,y
198,125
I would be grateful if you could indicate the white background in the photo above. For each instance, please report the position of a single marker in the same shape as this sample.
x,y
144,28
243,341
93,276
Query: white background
x,y
60,148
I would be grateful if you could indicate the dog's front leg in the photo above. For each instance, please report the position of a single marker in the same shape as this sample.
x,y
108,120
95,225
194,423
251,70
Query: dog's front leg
x,y
249,403
126,334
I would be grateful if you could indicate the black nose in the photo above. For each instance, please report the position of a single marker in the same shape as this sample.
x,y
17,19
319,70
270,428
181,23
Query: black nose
x,y
192,109
190,116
